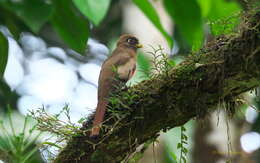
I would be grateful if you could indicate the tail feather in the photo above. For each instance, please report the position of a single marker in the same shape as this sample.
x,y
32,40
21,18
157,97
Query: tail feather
x,y
99,117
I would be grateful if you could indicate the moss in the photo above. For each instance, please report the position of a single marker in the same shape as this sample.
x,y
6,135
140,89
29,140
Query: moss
x,y
220,72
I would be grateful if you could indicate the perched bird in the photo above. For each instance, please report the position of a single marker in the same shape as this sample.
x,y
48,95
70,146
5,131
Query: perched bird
x,y
121,64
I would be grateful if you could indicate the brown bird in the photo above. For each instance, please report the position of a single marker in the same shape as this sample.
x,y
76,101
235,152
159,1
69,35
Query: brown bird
x,y
121,64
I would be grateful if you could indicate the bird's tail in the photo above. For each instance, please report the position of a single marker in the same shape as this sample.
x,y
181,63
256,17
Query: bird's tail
x,y
99,117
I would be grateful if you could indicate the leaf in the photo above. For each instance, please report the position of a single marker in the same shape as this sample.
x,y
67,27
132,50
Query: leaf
x,y
184,142
14,24
222,8
205,6
146,7
81,120
173,156
222,16
184,137
94,10
183,159
179,145
137,156
187,16
52,144
3,54
171,62
73,29
34,13
185,150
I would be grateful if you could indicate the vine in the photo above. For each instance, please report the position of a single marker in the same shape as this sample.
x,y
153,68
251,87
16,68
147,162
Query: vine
x,y
182,145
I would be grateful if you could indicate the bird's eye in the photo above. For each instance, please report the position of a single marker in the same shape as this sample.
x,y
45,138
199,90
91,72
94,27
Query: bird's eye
x,y
129,40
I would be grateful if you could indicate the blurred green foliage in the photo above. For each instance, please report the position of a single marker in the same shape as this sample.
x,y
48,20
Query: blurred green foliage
x,y
34,13
72,28
3,54
188,19
18,146
7,97
219,11
94,10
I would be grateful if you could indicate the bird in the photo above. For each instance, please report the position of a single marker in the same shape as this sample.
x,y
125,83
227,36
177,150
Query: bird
x,y
121,64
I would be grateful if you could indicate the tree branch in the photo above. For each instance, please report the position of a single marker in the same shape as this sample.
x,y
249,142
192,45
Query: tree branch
x,y
223,69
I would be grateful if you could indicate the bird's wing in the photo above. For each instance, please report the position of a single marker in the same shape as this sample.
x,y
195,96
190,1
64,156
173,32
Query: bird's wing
x,y
120,64
105,81
124,64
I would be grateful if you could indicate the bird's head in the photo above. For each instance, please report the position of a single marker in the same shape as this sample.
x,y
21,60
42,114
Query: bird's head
x,y
129,41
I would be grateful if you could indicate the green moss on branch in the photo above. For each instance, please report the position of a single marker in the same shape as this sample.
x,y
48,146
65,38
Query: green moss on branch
x,y
223,69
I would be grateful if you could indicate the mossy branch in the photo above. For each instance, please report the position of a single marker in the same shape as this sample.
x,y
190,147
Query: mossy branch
x,y
223,69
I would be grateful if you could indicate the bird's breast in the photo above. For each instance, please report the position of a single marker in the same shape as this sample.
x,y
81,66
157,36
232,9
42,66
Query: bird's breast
x,y
125,71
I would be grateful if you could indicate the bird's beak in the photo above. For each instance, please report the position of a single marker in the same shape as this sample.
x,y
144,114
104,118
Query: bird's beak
x,y
139,45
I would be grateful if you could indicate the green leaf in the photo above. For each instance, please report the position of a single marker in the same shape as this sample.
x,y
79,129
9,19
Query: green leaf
x,y
52,144
34,13
72,28
179,145
183,159
173,156
171,62
205,6
187,16
12,22
94,10
222,9
184,142
3,54
222,16
184,150
146,7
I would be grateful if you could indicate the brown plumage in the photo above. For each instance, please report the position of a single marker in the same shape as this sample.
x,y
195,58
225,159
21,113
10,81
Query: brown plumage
x,y
121,63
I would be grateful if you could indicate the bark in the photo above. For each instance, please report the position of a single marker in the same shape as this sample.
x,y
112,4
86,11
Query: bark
x,y
222,70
